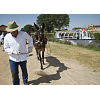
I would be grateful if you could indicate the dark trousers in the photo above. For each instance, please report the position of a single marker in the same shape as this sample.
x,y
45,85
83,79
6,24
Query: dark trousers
x,y
15,71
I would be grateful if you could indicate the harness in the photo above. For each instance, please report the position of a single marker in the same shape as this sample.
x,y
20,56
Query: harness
x,y
39,43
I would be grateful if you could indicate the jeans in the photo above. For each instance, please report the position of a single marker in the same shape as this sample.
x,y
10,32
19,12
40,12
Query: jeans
x,y
15,72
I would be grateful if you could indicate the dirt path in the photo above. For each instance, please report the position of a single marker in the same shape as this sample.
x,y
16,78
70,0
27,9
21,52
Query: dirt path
x,y
59,71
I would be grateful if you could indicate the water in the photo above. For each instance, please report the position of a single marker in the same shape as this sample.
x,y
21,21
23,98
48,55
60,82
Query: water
x,y
84,42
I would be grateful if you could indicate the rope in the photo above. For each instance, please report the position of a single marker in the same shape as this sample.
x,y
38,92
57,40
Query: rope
x,y
48,49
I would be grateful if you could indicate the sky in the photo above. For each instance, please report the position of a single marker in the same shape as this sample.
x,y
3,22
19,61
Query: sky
x,y
22,19
76,20
83,20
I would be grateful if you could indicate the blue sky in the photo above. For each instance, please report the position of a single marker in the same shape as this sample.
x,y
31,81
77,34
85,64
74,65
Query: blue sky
x,y
76,20
22,19
83,20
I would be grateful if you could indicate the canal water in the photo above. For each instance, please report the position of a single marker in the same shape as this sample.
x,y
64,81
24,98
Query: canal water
x,y
83,41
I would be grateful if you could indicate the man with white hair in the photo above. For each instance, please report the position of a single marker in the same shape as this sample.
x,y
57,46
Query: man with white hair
x,y
15,46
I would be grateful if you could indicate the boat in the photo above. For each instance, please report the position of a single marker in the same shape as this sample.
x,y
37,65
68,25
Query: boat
x,y
81,36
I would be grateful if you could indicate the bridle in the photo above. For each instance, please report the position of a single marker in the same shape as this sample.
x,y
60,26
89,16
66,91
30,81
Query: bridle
x,y
39,43
41,31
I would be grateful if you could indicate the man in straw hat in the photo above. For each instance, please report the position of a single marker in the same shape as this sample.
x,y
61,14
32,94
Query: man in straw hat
x,y
15,46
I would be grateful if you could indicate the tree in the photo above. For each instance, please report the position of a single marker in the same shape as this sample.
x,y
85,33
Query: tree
x,y
47,20
22,29
53,21
61,20
75,28
28,28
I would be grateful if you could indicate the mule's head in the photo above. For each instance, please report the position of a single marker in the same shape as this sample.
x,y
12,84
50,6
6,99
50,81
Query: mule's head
x,y
40,35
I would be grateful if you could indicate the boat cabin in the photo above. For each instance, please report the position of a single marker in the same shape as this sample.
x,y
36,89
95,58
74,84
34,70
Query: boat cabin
x,y
73,34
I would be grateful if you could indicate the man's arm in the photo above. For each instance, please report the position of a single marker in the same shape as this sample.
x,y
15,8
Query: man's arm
x,y
6,47
30,42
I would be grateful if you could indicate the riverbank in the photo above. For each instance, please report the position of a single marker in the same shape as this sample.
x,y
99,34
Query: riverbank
x,y
89,58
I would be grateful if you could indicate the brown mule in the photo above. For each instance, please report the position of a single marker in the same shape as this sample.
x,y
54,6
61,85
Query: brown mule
x,y
39,42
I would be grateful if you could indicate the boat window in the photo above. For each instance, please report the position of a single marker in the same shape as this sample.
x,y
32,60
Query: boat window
x,y
66,34
59,34
62,34
71,34
74,34
84,33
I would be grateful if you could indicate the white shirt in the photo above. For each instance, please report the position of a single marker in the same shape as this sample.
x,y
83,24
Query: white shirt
x,y
0,38
19,44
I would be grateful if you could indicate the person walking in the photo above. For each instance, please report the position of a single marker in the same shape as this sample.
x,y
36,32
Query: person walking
x,y
15,46
2,37
0,40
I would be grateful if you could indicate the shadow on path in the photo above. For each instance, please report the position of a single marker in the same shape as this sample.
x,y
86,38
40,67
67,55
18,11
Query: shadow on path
x,y
53,61
30,54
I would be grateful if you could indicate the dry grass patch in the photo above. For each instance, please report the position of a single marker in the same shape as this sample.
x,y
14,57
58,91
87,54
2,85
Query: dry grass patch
x,y
88,58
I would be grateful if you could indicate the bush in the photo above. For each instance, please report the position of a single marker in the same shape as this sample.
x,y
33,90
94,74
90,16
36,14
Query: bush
x,y
50,39
98,46
67,42
56,40
90,46
97,36
81,45
49,35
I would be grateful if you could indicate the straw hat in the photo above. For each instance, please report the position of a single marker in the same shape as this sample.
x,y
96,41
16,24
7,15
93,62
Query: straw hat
x,y
12,26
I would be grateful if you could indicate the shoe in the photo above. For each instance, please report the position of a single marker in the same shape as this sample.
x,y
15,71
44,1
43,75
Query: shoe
x,y
26,84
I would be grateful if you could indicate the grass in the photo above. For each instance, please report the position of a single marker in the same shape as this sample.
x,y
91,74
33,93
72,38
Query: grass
x,y
88,58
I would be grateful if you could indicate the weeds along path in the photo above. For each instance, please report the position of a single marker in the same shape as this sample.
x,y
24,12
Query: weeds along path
x,y
59,71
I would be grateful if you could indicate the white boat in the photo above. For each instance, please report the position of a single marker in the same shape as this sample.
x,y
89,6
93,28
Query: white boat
x,y
81,36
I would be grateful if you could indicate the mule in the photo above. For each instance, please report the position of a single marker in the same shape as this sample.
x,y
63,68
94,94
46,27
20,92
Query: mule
x,y
39,42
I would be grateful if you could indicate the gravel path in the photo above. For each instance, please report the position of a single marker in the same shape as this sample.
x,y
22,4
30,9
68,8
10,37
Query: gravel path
x,y
56,70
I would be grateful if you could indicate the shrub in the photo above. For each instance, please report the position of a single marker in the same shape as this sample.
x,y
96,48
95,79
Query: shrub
x,y
81,45
90,46
97,36
67,42
49,35
57,40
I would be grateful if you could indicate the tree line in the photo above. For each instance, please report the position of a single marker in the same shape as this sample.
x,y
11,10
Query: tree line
x,y
51,22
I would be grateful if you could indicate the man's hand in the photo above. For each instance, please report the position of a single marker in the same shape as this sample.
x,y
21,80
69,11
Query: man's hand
x,y
29,49
16,52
